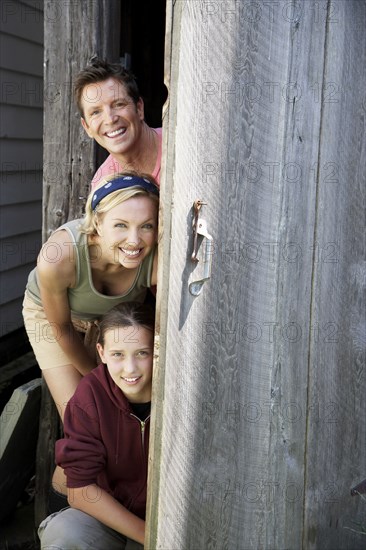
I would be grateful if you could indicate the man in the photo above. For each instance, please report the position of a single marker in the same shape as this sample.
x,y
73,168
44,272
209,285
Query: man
x,y
112,113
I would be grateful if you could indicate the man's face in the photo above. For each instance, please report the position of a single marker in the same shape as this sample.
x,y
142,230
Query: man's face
x,y
111,117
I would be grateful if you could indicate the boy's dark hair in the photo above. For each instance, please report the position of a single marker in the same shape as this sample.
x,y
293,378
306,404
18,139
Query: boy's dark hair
x,y
99,70
127,314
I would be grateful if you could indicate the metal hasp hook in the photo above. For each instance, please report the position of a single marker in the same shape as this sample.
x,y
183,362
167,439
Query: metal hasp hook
x,y
200,228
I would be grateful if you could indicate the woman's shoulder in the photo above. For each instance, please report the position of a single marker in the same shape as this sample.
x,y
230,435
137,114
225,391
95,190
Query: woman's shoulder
x,y
59,253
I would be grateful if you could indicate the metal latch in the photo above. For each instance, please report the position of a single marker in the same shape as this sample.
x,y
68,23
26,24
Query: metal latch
x,y
200,228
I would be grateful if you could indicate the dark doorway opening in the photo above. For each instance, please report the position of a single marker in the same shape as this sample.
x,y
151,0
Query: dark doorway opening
x,y
142,42
142,49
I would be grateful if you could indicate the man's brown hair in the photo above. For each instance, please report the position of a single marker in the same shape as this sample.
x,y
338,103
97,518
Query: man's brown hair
x,y
99,70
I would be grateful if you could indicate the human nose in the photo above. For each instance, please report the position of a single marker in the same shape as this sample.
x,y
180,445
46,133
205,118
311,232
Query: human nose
x,y
132,237
110,115
129,365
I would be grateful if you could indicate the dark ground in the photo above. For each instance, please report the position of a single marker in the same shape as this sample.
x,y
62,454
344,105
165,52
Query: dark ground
x,y
19,532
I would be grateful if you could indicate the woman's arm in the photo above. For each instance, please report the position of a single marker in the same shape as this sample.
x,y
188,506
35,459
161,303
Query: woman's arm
x,y
98,503
56,272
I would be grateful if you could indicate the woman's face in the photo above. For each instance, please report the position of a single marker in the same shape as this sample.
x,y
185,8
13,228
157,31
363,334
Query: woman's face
x,y
129,231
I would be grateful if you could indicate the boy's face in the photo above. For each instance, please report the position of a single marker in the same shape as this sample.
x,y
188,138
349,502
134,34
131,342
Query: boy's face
x,y
111,117
128,354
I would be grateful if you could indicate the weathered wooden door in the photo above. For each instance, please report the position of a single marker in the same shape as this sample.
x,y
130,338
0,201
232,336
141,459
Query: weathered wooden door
x,y
259,415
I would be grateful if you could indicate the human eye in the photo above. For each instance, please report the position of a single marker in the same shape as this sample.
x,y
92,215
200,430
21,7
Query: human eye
x,y
121,103
143,353
116,354
148,226
120,224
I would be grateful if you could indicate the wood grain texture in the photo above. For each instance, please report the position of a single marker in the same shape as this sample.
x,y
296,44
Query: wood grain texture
x,y
18,444
74,31
336,434
235,447
166,202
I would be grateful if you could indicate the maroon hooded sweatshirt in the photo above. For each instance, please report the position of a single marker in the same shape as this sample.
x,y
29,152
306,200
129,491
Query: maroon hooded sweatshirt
x,y
105,443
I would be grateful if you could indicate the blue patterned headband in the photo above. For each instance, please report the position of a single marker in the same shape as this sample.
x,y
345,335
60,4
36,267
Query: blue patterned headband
x,y
124,182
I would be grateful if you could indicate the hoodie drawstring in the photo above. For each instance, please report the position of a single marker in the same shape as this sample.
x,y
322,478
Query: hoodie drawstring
x,y
117,438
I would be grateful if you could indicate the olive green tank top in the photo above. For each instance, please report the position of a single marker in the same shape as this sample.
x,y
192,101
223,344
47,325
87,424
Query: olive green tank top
x,y
85,301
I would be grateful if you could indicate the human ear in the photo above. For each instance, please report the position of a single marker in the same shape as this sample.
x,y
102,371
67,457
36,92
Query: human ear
x,y
140,108
101,352
85,126
98,228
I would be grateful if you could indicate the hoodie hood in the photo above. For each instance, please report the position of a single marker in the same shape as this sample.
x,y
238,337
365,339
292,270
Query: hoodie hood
x,y
114,393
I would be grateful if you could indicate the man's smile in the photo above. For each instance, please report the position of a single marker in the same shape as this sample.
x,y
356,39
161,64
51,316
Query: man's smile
x,y
115,133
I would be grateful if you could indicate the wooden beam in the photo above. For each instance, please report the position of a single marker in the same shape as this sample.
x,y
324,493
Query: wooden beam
x,y
49,432
19,432
169,111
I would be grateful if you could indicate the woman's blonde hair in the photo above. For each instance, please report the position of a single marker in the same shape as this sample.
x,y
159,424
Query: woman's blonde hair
x,y
91,217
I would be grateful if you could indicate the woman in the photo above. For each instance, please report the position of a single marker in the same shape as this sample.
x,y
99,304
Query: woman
x,y
84,269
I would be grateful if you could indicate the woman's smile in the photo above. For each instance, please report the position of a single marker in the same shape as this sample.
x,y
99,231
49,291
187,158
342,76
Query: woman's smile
x,y
130,229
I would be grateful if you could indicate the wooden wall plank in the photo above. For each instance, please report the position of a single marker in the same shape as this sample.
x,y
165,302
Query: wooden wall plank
x,y
19,250
23,21
11,316
36,6
20,122
11,280
22,154
21,89
21,184
292,256
336,451
24,54
28,213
